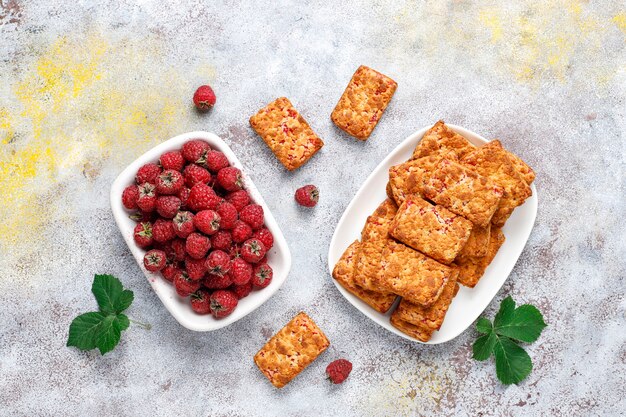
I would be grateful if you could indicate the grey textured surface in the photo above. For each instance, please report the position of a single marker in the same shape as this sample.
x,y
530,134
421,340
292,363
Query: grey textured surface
x,y
84,89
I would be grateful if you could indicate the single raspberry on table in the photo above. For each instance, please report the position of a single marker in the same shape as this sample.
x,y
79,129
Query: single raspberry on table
x,y
197,245
170,270
216,160
252,214
143,234
202,197
228,215
167,206
183,194
223,302
263,275
204,98
178,249
147,197
218,262
241,232
241,271
307,196
172,160
130,195
241,291
195,174
183,224
252,250
169,182
200,302
184,284
195,151
218,282
154,260
230,179
338,370
221,240
148,173
195,268
163,230
239,199
207,221
265,236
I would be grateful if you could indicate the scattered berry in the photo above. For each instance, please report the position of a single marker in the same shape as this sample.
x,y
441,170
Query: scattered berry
x,y
229,179
207,221
154,260
178,249
307,196
169,182
200,302
170,270
239,199
148,173
197,245
218,282
223,303
218,263
338,370
262,276
202,197
228,215
195,151
204,98
252,214
147,197
195,174
167,206
195,268
241,232
216,160
241,271
143,234
184,284
163,230
252,250
130,195
265,236
172,160
241,291
183,224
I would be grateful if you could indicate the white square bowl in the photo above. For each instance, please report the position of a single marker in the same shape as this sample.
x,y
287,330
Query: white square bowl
x,y
279,257
469,303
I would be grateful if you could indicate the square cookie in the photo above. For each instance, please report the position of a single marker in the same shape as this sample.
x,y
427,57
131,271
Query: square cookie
x,y
525,171
343,272
439,139
477,244
464,192
471,269
492,161
363,102
432,230
291,350
413,275
286,133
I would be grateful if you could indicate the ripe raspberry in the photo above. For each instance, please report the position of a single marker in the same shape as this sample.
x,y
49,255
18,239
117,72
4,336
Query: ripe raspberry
x,y
195,151
241,291
216,160
218,263
241,232
147,197
338,370
178,249
183,224
170,271
197,245
221,240
169,182
130,195
218,282
167,206
163,230
207,221
202,197
183,194
223,303
172,160
253,215
143,234
241,271
228,215
307,196
230,179
235,251
200,302
184,284
204,98
239,199
195,174
148,173
252,250
154,260
262,276
265,236
195,268
141,217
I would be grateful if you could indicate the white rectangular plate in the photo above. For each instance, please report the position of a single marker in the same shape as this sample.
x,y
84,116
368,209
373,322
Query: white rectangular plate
x,y
469,302
279,257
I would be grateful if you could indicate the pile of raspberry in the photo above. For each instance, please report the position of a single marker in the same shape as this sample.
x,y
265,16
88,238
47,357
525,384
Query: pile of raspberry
x,y
200,227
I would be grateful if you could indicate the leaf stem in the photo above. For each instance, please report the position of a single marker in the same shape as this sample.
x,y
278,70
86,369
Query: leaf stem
x,y
145,326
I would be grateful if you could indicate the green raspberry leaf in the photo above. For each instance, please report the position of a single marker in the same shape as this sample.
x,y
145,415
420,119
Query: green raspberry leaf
x,y
524,324
483,346
512,362
84,330
484,326
111,296
109,334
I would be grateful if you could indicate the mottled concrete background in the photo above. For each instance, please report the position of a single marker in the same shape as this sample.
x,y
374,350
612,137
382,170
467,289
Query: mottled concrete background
x,y
86,87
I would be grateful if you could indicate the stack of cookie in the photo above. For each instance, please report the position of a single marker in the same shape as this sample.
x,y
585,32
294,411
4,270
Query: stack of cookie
x,y
440,227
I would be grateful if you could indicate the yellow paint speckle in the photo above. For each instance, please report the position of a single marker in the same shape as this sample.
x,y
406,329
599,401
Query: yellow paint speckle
x,y
620,20
491,20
